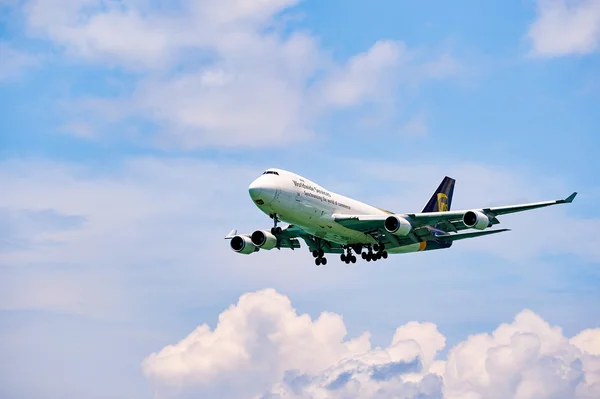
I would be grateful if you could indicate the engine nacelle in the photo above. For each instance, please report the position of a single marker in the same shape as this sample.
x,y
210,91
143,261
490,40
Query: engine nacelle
x,y
243,245
397,225
476,220
264,239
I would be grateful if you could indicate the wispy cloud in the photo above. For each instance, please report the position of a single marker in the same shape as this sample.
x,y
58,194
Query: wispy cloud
x,y
213,74
416,126
565,27
14,61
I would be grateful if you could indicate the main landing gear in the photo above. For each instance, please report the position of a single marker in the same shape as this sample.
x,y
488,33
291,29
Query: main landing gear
x,y
275,230
319,254
378,254
348,256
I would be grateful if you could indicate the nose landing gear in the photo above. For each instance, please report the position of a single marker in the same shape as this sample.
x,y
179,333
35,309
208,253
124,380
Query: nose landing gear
x,y
275,229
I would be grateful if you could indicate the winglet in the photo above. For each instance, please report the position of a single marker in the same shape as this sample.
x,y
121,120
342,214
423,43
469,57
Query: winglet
x,y
570,198
231,234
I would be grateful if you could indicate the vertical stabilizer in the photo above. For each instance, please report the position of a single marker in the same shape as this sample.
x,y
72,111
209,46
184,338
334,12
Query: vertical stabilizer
x,y
442,198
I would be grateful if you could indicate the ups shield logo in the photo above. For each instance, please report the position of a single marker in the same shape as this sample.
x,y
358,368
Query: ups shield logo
x,y
442,202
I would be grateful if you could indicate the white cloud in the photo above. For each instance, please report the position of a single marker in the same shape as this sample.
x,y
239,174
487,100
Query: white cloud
x,y
416,126
261,334
365,76
69,234
79,129
565,27
220,73
144,34
177,210
14,61
263,341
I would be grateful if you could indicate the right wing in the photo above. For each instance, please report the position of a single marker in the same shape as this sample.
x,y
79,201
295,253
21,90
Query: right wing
x,y
288,238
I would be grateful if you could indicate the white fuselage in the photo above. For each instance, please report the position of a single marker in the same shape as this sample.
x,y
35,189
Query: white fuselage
x,y
299,201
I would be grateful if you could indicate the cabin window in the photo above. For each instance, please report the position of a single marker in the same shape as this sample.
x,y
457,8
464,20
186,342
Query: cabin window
x,y
270,172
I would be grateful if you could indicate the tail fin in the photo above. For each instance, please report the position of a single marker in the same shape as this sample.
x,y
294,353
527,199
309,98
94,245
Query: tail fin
x,y
442,198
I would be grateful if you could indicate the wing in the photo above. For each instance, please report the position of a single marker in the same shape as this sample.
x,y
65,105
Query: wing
x,y
433,225
374,225
292,232
288,238
452,221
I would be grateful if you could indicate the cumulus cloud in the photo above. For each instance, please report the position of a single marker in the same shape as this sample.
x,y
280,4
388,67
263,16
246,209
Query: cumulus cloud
x,y
565,27
263,341
221,73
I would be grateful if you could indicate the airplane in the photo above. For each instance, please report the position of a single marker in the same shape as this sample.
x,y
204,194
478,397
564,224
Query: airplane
x,y
330,223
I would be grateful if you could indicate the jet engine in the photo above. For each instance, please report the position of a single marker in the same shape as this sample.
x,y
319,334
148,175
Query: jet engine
x,y
264,239
397,225
243,245
476,220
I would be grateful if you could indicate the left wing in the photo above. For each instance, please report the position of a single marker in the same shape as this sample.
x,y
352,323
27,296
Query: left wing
x,y
455,217
432,225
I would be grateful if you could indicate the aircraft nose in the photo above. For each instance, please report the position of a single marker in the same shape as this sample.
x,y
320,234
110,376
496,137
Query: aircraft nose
x,y
261,191
254,189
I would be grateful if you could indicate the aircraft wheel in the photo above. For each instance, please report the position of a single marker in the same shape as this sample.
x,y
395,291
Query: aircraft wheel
x,y
343,257
353,259
323,261
381,247
378,255
278,230
321,253
375,247
318,261
384,254
368,257
363,255
273,230
315,253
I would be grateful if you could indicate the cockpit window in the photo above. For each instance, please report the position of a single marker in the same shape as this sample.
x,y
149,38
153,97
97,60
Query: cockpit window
x,y
270,172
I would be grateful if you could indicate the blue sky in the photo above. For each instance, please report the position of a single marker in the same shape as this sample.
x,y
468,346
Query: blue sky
x,y
131,130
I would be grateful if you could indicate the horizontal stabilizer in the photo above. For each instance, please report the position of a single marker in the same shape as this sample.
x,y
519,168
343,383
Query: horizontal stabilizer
x,y
462,236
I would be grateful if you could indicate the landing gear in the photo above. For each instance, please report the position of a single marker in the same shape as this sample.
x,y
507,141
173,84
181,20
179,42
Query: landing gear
x,y
369,256
348,257
373,256
275,230
319,256
321,261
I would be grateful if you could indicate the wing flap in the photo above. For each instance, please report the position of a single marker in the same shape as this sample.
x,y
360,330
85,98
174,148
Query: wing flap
x,y
462,236
362,223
